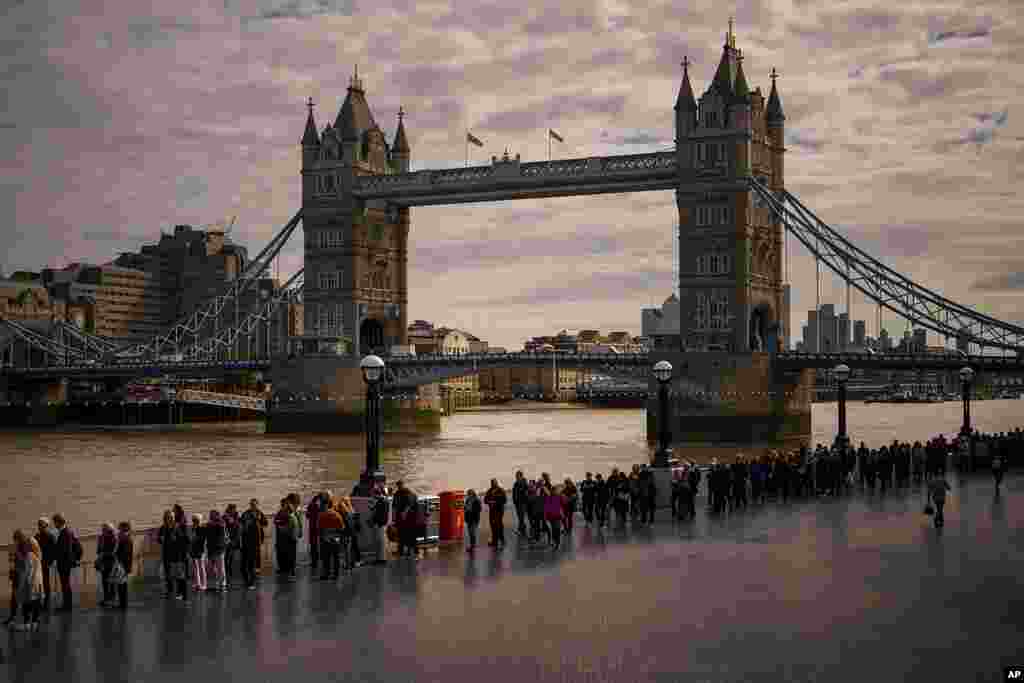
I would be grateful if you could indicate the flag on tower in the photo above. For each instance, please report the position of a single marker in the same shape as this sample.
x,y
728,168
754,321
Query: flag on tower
x,y
474,139
555,135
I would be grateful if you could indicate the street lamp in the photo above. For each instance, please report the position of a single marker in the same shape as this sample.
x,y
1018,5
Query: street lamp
x,y
373,371
663,373
966,375
842,373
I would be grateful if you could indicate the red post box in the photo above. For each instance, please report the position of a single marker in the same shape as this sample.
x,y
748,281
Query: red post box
x,y
452,515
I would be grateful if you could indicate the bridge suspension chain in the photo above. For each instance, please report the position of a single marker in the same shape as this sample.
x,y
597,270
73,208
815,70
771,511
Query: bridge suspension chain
x,y
883,284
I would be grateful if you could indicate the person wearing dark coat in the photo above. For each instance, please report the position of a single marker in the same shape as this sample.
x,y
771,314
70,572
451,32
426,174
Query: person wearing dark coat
x,y
601,500
65,559
253,524
403,508
233,528
520,501
496,499
588,495
473,511
47,540
165,537
535,511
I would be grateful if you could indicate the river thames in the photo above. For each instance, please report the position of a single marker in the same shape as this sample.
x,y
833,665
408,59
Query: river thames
x,y
98,476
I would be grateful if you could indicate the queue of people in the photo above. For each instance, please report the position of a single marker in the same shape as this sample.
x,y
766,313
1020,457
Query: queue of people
x,y
203,552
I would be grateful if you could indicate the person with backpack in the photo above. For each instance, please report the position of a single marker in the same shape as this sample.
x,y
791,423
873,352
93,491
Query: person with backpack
x,y
380,513
937,488
350,544
588,493
472,508
68,555
554,511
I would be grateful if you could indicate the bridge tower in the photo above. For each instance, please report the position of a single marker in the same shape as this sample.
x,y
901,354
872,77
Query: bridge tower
x,y
730,268
356,286
733,304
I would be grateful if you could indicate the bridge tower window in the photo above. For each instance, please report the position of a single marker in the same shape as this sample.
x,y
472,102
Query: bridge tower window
x,y
330,279
702,311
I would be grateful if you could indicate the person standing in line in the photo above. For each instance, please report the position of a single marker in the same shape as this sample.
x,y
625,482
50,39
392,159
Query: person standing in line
x,y
473,511
285,541
570,499
521,502
535,510
380,513
589,496
495,499
47,540
233,529
165,537
331,528
68,556
181,542
553,511
125,557
648,495
601,500
197,552
106,558
937,488
401,508
998,467
216,545
12,555
251,530
28,558
313,510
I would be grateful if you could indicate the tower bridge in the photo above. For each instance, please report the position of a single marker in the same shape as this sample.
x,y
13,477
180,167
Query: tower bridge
x,y
728,175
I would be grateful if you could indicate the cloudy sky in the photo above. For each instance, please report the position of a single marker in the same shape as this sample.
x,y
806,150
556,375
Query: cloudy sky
x,y
903,125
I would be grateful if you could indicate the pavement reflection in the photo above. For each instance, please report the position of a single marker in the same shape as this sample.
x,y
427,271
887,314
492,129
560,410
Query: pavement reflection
x,y
851,587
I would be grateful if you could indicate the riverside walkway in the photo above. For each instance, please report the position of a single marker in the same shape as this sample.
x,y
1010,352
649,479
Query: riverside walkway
x,y
856,588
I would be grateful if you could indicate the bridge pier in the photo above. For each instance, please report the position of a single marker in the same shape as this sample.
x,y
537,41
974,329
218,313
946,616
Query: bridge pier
x,y
327,394
723,404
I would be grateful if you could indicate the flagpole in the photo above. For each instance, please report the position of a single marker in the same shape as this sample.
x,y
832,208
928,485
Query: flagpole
x,y
467,148
549,143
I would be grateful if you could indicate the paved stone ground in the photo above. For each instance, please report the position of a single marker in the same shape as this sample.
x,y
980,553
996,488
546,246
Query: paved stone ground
x,y
855,589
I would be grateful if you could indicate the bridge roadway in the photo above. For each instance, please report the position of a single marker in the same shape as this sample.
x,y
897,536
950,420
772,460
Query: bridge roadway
x,y
858,588
408,370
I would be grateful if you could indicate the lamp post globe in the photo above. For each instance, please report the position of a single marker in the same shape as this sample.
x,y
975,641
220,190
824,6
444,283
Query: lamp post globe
x,y
663,371
373,368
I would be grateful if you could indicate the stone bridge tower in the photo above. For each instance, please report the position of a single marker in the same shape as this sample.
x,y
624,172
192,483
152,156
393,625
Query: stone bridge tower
x,y
356,287
730,249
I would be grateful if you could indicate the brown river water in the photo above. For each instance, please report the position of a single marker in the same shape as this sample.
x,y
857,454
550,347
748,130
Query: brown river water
x,y
96,476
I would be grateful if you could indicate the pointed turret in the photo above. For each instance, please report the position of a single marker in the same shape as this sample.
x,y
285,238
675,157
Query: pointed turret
x,y
686,101
722,82
773,112
686,106
355,117
310,138
741,91
401,144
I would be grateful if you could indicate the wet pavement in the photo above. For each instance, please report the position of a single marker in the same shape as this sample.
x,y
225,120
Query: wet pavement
x,y
853,589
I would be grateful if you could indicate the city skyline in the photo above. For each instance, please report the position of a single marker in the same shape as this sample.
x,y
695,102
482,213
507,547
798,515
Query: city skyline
x,y
125,122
